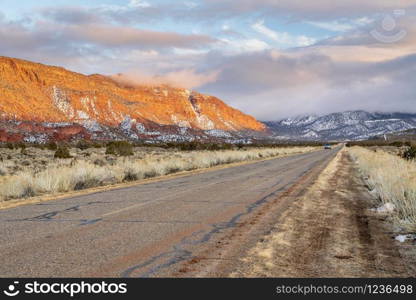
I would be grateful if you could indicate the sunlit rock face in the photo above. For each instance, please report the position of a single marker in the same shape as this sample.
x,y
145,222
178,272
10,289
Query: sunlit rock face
x,y
32,92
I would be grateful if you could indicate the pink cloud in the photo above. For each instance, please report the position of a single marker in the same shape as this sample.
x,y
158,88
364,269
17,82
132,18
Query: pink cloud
x,y
128,36
186,78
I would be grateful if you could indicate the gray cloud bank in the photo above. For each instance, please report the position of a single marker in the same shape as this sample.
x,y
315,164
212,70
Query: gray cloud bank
x,y
348,71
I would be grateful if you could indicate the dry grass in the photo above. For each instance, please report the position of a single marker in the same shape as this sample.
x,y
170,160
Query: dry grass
x,y
392,179
97,169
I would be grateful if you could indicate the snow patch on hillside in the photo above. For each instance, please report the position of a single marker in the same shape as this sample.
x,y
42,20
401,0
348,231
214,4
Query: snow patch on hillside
x,y
62,102
351,125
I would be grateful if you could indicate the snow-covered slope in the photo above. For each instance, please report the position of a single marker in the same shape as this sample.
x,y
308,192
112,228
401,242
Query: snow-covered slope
x,y
350,125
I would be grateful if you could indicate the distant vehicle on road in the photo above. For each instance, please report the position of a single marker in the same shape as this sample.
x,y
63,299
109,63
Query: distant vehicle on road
x,y
327,146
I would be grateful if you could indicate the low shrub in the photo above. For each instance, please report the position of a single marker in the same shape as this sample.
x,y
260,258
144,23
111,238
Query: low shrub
x,y
23,151
397,144
121,148
97,145
51,146
410,153
62,152
82,145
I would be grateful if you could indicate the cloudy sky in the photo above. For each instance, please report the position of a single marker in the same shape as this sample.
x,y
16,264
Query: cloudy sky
x,y
269,58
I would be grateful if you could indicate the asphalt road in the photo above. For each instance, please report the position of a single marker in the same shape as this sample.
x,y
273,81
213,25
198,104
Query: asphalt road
x,y
146,230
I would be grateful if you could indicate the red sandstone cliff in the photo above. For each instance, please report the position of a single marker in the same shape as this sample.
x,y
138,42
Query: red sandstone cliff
x,y
39,93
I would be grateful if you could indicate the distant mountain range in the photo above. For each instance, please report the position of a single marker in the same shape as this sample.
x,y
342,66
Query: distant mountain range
x,y
350,125
39,103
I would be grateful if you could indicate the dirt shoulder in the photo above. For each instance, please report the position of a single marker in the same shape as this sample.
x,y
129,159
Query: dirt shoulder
x,y
330,232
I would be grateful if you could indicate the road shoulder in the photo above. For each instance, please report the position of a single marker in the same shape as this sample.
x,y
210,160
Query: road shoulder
x,y
223,255
328,232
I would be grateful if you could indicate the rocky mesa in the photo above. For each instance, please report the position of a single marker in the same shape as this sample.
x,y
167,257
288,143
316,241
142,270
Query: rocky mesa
x,y
40,102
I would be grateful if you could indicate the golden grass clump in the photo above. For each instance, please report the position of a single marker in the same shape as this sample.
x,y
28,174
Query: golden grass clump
x,y
392,179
